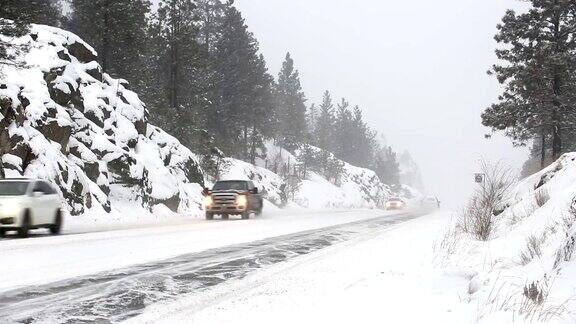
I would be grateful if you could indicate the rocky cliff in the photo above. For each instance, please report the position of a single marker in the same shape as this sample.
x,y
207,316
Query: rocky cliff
x,y
64,120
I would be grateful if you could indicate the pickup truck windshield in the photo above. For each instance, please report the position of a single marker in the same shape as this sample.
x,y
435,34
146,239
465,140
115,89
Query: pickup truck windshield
x,y
230,185
13,188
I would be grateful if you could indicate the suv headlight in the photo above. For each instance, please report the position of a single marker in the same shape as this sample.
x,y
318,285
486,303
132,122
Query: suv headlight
x,y
241,201
11,208
207,201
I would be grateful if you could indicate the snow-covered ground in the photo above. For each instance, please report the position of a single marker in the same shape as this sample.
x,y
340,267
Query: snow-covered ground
x,y
43,259
386,277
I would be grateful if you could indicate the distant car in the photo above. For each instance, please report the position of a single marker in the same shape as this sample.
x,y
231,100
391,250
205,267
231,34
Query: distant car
x,y
29,204
395,203
430,203
233,197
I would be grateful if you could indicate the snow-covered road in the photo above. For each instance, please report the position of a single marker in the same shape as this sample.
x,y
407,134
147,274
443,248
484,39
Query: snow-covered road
x,y
115,274
383,276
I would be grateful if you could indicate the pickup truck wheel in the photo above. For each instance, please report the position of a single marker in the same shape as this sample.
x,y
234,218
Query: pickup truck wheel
x,y
25,227
209,216
246,215
56,228
2,232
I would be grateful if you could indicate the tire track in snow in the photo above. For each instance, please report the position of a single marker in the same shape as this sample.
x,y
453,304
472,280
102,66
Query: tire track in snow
x,y
118,295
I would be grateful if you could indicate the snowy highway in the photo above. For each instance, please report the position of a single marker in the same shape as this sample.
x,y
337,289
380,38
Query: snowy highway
x,y
112,276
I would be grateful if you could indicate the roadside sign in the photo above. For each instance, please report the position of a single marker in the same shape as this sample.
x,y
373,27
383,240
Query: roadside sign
x,y
479,177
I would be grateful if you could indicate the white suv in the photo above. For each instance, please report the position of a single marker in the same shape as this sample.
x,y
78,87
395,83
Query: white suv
x,y
29,204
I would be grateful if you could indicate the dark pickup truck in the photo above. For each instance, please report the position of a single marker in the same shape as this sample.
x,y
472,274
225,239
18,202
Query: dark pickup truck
x,y
232,197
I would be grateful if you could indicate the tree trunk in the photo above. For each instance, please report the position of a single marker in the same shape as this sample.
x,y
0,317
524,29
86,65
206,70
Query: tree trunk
x,y
543,151
245,144
556,143
106,37
557,90
253,146
174,59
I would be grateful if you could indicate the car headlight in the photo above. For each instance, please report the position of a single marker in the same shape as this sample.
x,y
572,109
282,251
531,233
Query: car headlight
x,y
241,201
11,208
207,201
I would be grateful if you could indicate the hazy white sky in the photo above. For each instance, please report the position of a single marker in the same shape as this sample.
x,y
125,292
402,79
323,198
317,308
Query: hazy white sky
x,y
417,68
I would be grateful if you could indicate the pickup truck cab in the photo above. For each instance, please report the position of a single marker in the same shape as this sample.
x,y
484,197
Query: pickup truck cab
x,y
27,204
233,197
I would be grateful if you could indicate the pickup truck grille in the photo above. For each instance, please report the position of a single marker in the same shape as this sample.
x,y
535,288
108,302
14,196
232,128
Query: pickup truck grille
x,y
227,198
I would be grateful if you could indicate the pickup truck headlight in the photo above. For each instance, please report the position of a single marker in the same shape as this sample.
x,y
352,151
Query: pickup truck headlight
x,y
241,201
207,201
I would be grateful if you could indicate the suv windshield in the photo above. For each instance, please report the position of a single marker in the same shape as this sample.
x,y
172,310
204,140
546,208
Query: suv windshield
x,y
13,188
230,185
395,200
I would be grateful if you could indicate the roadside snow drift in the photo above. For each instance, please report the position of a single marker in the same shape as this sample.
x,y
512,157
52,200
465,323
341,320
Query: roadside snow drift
x,y
526,268
64,120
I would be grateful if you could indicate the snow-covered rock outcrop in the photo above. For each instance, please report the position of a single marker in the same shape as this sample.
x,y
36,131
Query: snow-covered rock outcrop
x,y
356,187
267,181
64,120
410,175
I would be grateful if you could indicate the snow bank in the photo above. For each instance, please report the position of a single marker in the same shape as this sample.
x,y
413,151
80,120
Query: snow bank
x,y
64,120
526,269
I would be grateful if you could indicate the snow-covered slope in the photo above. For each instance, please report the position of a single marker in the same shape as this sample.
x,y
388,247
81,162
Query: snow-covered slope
x,y
359,188
527,267
66,121
410,174
267,181
356,187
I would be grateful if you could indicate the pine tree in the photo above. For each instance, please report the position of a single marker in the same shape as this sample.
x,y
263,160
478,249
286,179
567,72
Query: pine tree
x,y
211,15
117,30
175,89
17,15
363,141
324,130
291,106
539,73
387,167
344,132
259,113
311,118
45,12
242,104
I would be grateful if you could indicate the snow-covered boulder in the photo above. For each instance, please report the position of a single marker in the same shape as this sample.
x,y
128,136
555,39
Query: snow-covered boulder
x,y
63,119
